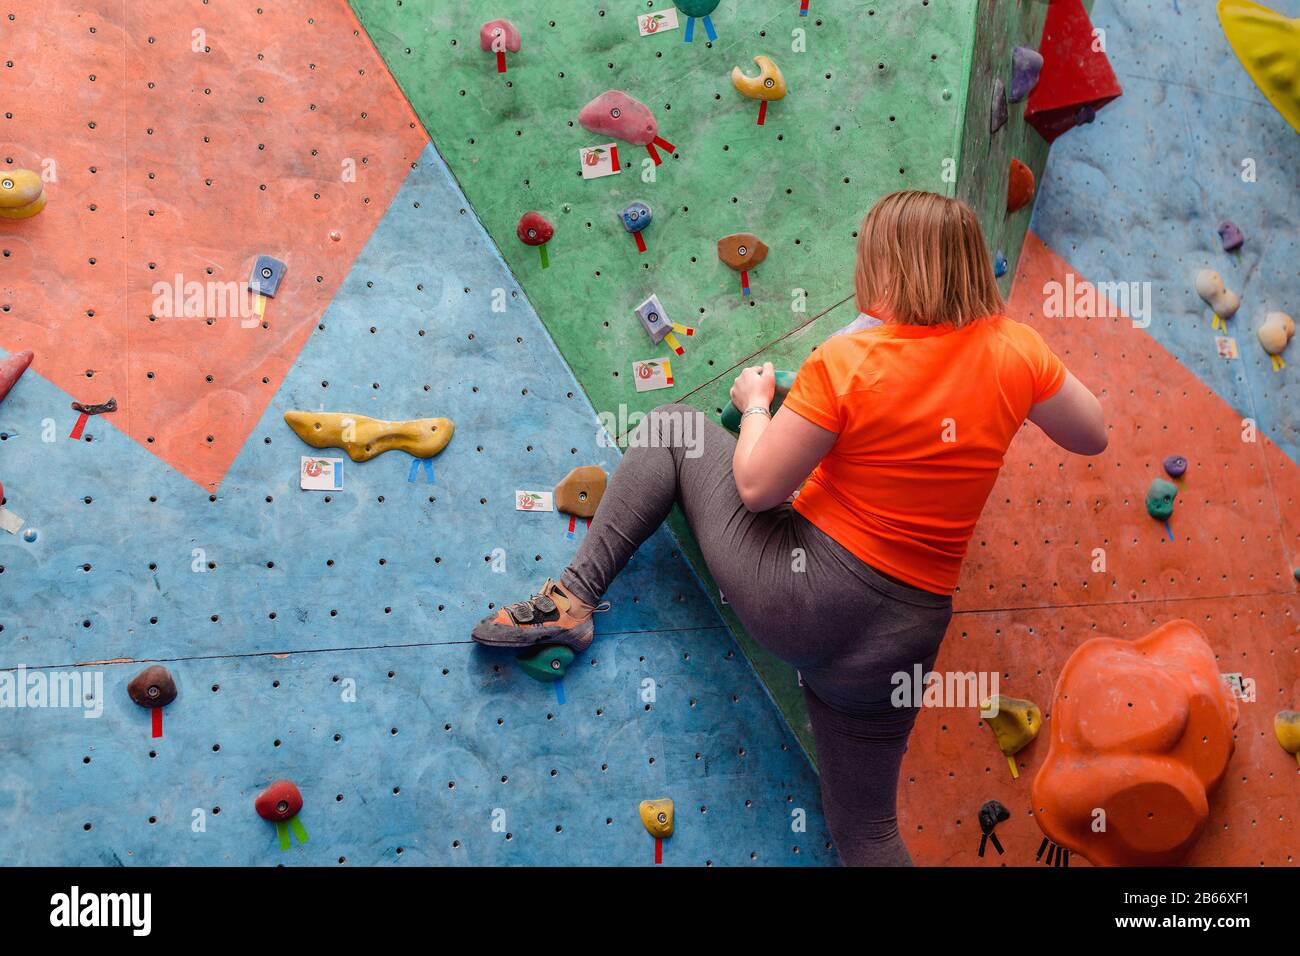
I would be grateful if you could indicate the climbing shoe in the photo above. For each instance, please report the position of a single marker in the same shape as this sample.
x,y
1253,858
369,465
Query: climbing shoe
x,y
545,618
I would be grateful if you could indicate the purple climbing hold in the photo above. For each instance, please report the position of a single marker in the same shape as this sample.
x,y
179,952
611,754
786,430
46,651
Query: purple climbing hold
x,y
1026,64
1175,466
1085,115
998,111
1230,235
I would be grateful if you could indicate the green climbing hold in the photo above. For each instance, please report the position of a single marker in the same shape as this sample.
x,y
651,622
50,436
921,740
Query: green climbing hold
x,y
731,414
1296,574
546,664
1160,499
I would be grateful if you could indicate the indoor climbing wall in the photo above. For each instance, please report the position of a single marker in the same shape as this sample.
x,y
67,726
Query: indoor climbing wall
x,y
1136,197
878,97
316,636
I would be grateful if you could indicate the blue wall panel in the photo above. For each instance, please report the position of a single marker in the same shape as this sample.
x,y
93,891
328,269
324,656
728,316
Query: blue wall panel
x,y
1137,197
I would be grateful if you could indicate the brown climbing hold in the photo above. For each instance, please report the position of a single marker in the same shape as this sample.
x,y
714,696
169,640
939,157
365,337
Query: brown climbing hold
x,y
1020,186
1142,731
580,491
278,802
22,194
742,250
657,815
152,687
363,437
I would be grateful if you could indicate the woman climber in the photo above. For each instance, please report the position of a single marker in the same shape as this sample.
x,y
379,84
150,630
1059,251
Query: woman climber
x,y
836,527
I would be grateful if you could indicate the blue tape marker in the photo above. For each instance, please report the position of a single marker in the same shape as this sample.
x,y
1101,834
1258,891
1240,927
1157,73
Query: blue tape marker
x,y
1170,530
690,30
708,28
414,473
559,692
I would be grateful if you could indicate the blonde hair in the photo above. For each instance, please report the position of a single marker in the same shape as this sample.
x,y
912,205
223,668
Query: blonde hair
x,y
922,261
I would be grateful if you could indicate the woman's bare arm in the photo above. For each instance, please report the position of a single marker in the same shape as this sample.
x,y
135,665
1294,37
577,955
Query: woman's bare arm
x,y
1072,418
773,456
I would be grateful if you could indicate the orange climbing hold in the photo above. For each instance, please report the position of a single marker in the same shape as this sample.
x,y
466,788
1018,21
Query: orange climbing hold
x,y
1020,186
1141,734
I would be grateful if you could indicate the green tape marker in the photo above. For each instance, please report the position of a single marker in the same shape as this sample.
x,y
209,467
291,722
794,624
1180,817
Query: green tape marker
x,y
299,830
546,260
282,831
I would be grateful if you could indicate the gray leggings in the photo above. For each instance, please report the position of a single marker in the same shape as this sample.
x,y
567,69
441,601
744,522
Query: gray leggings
x,y
845,626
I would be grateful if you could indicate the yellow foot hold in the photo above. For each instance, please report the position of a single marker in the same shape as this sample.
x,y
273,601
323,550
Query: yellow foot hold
x,y
768,85
657,815
1268,45
1286,727
22,194
1015,723
363,437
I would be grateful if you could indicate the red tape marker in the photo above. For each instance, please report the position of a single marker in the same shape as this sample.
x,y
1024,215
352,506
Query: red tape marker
x,y
762,111
613,157
654,153
501,61
640,243
157,721
80,427
744,282
665,144
659,850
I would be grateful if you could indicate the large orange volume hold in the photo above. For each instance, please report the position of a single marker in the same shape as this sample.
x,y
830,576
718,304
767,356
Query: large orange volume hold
x,y
1141,733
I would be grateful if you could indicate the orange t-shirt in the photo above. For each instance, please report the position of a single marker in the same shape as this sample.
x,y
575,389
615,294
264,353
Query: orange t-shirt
x,y
924,417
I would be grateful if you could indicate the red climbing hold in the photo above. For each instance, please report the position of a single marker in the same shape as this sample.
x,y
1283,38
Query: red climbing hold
x,y
1020,186
278,802
11,370
1076,80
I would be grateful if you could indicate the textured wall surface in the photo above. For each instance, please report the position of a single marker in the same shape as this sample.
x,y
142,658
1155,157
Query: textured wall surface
x,y
877,102
273,606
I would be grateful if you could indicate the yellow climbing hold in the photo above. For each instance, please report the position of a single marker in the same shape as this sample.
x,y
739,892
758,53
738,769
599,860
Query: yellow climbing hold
x,y
1268,45
768,85
657,815
22,194
1286,726
1015,723
363,438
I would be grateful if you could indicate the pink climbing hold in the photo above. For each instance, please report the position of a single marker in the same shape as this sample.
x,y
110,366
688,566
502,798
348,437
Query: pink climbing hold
x,y
616,114
11,370
499,37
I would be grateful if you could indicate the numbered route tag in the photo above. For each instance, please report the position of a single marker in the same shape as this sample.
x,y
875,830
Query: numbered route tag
x,y
648,24
598,161
534,501
1226,347
321,474
652,374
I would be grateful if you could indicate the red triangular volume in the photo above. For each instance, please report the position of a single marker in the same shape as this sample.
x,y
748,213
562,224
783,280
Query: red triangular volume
x,y
1076,80
11,369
